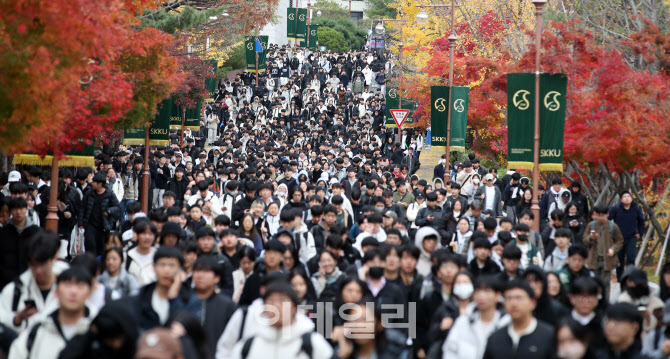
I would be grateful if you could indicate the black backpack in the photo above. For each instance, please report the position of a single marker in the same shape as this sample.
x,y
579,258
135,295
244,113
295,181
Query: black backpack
x,y
306,346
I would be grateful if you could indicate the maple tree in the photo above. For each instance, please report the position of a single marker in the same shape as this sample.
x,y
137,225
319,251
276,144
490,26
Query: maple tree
x,y
192,89
73,70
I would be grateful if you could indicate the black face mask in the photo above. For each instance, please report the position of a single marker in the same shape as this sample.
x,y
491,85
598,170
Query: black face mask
x,y
376,272
523,238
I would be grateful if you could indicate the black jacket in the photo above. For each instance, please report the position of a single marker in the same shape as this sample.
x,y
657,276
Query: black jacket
x,y
179,188
216,312
109,205
13,252
238,209
144,314
490,267
538,344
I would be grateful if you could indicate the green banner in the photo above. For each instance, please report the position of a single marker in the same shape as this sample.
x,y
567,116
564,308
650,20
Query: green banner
x,y
193,117
553,88
210,82
250,45
175,117
459,117
301,27
312,37
439,100
291,23
392,103
521,120
159,131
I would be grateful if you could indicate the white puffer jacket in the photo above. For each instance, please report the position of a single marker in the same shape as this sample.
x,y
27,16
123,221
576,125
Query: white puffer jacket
x,y
273,343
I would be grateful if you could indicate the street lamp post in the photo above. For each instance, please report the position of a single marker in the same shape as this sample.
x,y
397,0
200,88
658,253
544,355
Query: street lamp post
x,y
309,18
535,203
422,18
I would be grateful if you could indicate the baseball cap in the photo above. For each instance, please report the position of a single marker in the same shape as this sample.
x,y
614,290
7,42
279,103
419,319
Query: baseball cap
x,y
158,344
14,176
488,177
391,214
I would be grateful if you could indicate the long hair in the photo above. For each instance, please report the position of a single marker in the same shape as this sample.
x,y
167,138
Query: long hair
x,y
253,234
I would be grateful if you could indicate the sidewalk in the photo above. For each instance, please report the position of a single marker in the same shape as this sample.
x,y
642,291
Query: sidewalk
x,y
429,159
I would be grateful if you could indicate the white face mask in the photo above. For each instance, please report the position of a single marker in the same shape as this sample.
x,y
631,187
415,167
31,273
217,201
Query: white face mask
x,y
463,291
571,351
187,197
475,181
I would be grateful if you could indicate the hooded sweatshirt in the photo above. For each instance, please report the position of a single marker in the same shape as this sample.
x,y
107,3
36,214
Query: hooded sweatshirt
x,y
423,265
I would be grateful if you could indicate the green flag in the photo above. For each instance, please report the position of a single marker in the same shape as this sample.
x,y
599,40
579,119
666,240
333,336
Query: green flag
x,y
291,22
439,100
193,117
210,82
159,131
250,47
175,116
553,88
313,36
521,120
459,117
301,27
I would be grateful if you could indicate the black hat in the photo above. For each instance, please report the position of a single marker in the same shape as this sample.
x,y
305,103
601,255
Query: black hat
x,y
421,195
171,228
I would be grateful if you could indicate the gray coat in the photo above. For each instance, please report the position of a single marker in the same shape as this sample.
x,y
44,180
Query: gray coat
x,y
497,200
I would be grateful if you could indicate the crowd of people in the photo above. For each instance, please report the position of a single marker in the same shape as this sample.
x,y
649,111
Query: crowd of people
x,y
293,224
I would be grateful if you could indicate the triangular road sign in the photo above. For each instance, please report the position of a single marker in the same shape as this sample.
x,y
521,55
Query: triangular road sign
x,y
399,116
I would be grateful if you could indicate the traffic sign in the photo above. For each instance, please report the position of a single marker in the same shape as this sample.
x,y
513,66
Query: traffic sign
x,y
399,116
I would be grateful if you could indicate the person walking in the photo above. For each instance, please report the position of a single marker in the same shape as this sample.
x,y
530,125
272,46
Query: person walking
x,y
628,216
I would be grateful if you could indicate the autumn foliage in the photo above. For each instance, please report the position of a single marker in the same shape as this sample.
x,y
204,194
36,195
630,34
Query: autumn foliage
x,y
616,113
72,69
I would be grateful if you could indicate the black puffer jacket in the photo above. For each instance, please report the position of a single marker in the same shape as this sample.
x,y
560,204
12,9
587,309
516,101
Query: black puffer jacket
x,y
109,205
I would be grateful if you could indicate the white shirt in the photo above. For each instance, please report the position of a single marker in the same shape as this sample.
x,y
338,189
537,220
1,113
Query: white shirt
x,y
581,319
516,337
161,306
490,197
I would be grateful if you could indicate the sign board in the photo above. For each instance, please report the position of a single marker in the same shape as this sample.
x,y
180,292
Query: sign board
x,y
399,116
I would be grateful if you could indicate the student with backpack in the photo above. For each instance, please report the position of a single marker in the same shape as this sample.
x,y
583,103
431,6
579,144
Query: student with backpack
x,y
30,297
604,240
285,333
48,337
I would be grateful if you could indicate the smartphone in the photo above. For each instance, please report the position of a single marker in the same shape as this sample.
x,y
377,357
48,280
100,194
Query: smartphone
x,y
30,303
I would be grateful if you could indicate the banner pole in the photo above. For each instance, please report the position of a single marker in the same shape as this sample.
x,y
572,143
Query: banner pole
x,y
452,41
535,204
145,172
